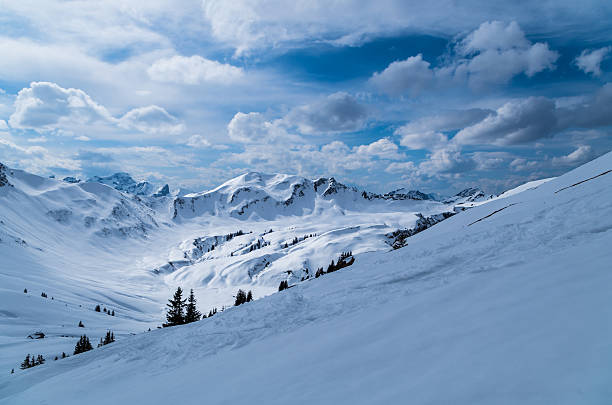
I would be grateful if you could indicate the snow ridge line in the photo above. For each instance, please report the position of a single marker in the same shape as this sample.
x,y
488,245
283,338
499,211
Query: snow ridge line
x,y
580,182
494,212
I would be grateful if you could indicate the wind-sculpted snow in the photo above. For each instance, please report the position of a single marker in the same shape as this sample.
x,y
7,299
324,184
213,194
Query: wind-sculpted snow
x,y
507,308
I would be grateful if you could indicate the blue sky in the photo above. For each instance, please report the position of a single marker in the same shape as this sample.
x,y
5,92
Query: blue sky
x,y
383,94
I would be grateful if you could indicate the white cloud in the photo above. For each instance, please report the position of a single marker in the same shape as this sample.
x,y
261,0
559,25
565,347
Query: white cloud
x,y
382,148
492,54
151,119
493,35
46,106
412,74
198,141
582,154
589,61
429,140
400,168
193,70
513,123
338,112
248,25
253,128
3,125
446,161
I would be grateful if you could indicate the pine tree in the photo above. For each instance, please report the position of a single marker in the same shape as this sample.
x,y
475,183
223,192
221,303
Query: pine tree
x,y
319,272
249,296
64,355
25,290
97,308
40,359
83,345
240,298
26,363
108,338
283,285
12,371
81,324
191,313
113,313
176,306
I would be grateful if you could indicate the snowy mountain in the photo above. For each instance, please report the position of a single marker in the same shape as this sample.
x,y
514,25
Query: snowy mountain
x,y
490,304
124,182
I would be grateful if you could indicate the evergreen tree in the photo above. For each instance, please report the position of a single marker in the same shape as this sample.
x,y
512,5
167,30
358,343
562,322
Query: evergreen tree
x,y
240,298
191,313
40,359
26,363
81,324
97,308
12,371
83,345
283,285
108,338
249,296
25,290
64,355
113,313
319,272
176,306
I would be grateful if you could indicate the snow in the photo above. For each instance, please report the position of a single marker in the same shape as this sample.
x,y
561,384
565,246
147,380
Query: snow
x,y
505,303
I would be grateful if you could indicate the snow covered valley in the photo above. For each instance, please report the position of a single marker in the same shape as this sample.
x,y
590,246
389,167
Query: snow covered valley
x,y
505,302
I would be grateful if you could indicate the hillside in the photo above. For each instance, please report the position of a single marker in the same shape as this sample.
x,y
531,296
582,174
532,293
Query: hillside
x,y
87,243
507,301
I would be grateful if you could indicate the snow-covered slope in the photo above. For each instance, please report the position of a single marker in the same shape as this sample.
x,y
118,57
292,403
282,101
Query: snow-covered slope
x,y
508,302
87,243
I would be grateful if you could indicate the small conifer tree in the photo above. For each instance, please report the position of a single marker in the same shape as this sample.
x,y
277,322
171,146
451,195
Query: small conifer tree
x,y
240,298
97,308
191,313
175,311
249,296
83,345
26,363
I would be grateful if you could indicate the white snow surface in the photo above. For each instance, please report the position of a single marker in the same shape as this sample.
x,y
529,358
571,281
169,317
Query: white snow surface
x,y
508,302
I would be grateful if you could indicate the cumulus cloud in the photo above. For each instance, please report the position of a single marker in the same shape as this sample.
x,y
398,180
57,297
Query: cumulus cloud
x,y
582,154
445,121
46,106
382,148
400,167
422,140
589,60
254,128
193,70
492,54
198,141
151,119
527,120
338,112
412,75
446,161
513,123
